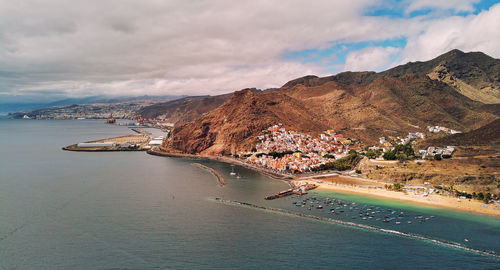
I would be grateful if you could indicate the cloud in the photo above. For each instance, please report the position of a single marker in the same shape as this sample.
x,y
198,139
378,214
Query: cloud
x,y
371,59
471,33
130,47
86,46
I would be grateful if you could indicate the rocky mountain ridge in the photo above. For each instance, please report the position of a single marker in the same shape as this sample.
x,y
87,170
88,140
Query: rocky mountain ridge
x,y
363,105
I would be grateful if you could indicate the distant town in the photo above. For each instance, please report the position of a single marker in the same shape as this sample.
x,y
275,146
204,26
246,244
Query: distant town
x,y
121,110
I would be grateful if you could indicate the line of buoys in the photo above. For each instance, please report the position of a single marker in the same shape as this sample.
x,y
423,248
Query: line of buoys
x,y
362,226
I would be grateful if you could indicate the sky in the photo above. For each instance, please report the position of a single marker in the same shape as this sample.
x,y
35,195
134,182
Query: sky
x,y
54,49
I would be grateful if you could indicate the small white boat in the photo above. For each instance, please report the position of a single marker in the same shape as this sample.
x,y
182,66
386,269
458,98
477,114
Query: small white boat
x,y
232,170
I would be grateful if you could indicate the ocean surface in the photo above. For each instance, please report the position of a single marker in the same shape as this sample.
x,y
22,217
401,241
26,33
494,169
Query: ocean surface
x,y
130,210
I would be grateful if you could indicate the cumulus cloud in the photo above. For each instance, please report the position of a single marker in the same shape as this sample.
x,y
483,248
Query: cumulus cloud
x,y
471,33
372,58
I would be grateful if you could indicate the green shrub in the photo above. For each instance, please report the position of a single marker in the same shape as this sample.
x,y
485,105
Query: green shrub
x,y
390,155
329,156
371,154
342,164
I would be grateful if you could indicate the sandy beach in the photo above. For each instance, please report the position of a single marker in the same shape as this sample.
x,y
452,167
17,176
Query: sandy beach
x,y
373,188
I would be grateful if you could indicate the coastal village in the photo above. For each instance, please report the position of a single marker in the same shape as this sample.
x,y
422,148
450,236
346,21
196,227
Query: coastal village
x,y
288,151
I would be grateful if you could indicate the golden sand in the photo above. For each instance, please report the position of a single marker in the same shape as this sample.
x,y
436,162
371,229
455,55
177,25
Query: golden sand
x,y
376,189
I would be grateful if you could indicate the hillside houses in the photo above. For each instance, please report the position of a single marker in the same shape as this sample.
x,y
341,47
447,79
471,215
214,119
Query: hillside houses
x,y
286,150
437,129
433,151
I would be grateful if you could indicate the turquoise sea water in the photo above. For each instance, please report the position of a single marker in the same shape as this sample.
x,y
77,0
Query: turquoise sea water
x,y
130,210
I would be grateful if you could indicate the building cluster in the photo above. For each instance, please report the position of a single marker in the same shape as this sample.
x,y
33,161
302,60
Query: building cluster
x,y
122,110
388,144
290,151
158,122
437,129
433,151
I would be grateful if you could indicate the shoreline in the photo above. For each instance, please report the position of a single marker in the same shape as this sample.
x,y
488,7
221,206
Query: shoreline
x,y
438,201
140,138
271,174
432,200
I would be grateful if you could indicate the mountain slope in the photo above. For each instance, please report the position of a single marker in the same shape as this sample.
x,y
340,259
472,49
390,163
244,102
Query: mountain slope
x,y
184,110
390,106
474,75
364,105
488,134
234,125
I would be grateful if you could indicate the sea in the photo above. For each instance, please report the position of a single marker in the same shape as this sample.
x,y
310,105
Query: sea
x,y
131,210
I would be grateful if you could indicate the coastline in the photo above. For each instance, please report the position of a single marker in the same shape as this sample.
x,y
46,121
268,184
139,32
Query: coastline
x,y
451,203
432,200
264,171
140,138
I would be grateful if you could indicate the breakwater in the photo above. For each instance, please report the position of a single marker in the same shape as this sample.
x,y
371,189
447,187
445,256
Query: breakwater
x,y
284,193
264,171
449,244
220,179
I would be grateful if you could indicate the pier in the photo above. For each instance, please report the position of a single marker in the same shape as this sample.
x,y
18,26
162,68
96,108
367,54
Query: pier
x,y
284,193
134,142
220,179
300,190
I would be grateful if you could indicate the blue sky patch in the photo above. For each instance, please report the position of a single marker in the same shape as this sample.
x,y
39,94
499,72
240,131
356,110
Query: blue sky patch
x,y
397,9
333,58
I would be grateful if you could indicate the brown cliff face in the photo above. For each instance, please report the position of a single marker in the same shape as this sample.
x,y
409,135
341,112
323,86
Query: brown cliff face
x,y
390,106
234,125
364,105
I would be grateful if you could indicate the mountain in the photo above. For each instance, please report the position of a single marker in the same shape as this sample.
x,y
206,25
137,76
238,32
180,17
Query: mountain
x,y
364,105
474,75
488,134
233,125
189,108
390,106
10,107
185,109
108,99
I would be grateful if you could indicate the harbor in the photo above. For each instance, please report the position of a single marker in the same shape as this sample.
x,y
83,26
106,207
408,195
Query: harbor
x,y
143,140
134,142
299,190
436,241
